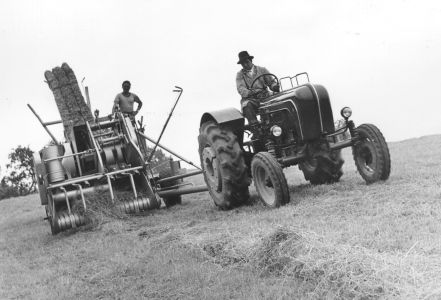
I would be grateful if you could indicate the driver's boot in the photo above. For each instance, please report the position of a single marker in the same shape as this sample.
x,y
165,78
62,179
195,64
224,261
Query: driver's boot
x,y
302,150
256,130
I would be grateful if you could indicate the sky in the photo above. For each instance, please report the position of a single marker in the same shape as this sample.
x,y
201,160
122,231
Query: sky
x,y
381,58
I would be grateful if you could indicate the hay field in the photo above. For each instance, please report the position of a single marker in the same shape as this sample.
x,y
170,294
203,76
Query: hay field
x,y
341,241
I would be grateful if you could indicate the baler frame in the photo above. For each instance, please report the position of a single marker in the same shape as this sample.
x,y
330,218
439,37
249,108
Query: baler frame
x,y
118,148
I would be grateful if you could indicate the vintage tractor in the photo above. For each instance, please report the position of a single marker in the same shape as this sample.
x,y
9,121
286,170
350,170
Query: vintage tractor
x,y
104,156
296,127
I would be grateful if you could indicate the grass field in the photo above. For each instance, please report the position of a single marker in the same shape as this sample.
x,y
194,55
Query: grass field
x,y
341,241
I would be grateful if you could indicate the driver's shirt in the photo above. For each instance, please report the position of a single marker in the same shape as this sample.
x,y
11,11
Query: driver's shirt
x,y
125,102
245,78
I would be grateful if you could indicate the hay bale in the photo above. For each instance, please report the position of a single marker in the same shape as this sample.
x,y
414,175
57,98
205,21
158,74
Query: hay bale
x,y
70,102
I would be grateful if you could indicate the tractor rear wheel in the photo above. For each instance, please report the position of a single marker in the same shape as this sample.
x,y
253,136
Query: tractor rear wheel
x,y
223,163
324,168
371,154
269,180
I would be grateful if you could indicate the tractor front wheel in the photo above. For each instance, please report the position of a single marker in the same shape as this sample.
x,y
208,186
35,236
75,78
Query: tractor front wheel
x,y
371,154
269,180
223,163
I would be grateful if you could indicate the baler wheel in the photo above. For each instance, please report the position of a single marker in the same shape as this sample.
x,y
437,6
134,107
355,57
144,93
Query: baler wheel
x,y
49,216
170,200
138,205
66,220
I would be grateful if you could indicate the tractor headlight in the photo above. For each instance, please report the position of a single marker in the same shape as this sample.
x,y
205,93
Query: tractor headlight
x,y
276,130
346,112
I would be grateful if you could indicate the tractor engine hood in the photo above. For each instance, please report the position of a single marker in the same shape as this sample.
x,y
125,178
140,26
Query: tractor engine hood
x,y
307,108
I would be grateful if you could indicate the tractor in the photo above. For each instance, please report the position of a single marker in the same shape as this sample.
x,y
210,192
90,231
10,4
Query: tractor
x,y
296,127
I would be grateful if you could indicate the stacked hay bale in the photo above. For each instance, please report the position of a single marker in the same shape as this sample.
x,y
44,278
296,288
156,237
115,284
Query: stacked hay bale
x,y
70,102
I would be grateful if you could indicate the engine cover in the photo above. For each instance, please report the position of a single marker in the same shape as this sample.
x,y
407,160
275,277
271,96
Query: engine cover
x,y
305,109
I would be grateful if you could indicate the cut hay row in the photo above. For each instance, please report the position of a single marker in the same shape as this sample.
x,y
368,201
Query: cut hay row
x,y
322,269
342,241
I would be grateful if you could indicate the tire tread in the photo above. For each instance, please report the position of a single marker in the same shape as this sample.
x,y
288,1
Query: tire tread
x,y
235,179
272,166
381,148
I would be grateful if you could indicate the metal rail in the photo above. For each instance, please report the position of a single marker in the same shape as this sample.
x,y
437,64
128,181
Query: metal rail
x,y
123,170
178,90
341,145
70,155
90,177
45,124
76,180
183,191
73,194
175,186
100,161
168,150
110,139
103,134
53,122
291,160
338,131
176,177
291,78
103,125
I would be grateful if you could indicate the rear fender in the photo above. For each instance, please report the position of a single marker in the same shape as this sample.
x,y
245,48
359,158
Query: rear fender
x,y
230,117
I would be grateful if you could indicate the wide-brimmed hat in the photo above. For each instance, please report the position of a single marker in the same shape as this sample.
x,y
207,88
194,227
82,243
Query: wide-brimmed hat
x,y
243,55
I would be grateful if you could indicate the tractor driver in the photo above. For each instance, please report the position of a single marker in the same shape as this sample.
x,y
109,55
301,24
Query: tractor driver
x,y
251,97
125,101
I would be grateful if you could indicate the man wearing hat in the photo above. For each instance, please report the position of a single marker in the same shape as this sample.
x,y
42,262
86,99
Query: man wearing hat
x,y
251,98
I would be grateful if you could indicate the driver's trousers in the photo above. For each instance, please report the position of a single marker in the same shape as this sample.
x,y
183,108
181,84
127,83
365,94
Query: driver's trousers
x,y
250,108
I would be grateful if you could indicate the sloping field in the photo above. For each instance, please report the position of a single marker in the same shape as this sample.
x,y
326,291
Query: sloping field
x,y
346,240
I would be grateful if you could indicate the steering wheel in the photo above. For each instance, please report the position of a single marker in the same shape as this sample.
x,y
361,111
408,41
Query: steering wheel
x,y
258,77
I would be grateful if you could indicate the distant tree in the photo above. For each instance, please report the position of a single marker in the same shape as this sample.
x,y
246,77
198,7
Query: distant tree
x,y
158,157
7,191
20,173
160,162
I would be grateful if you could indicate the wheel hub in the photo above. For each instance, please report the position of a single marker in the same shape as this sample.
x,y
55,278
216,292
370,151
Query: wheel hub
x,y
264,185
211,169
366,156
268,182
